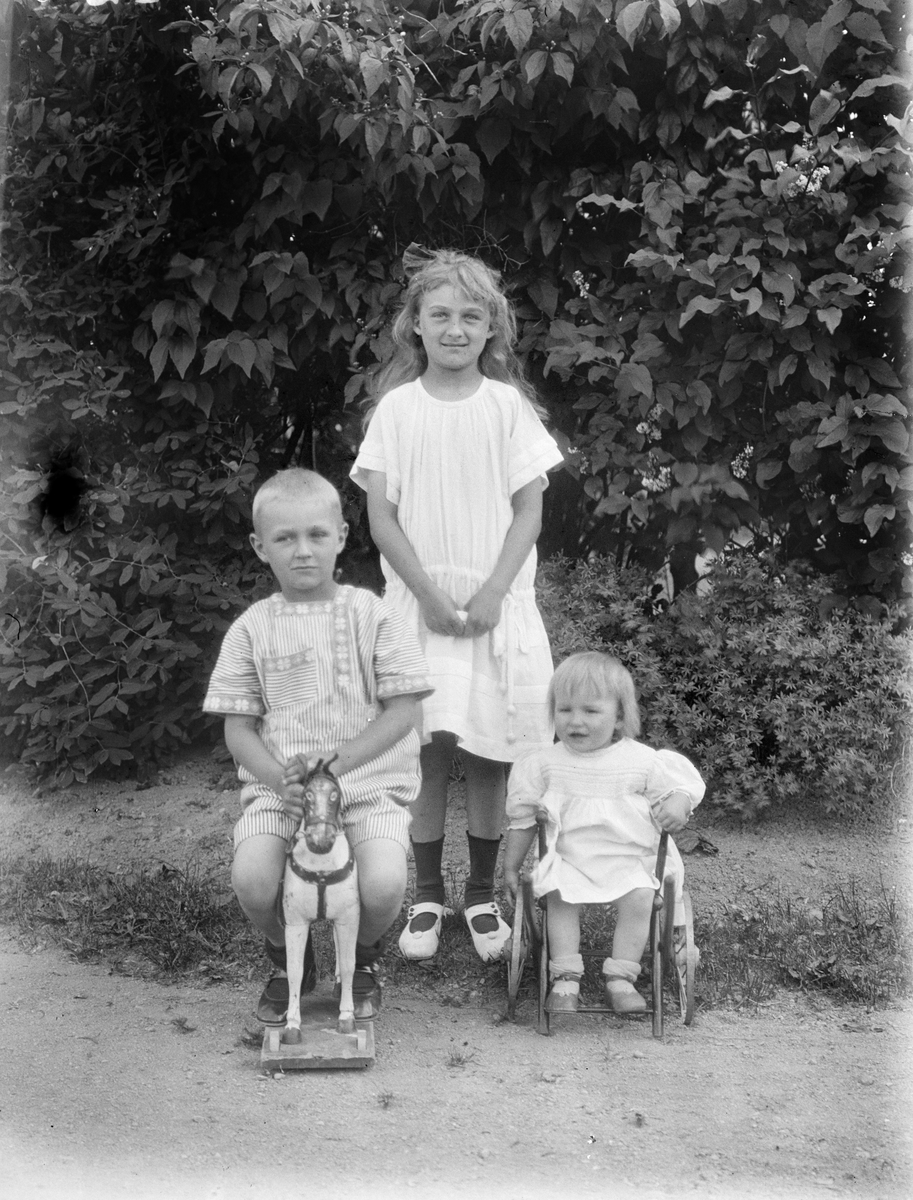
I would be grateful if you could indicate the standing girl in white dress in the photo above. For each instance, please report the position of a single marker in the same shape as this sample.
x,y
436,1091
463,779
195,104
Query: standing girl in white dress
x,y
454,464
605,798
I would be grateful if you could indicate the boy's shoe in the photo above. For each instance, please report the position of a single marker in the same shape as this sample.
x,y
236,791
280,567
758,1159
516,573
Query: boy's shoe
x,y
277,956
272,1007
489,930
367,991
421,934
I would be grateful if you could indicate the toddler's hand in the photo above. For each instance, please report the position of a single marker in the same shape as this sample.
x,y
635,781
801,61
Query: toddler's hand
x,y
672,813
512,883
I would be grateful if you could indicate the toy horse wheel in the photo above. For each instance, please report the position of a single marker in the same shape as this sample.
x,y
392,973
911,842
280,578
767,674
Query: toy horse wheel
x,y
544,1018
684,974
519,951
657,939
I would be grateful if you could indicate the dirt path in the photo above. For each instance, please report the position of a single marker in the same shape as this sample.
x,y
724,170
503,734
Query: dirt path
x,y
115,1086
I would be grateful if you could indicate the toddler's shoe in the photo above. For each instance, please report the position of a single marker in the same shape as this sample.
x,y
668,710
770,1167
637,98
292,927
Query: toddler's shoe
x,y
623,998
490,932
564,995
621,995
422,932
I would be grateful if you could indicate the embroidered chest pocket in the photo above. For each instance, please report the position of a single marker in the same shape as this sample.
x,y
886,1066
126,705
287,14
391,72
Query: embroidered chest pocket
x,y
290,679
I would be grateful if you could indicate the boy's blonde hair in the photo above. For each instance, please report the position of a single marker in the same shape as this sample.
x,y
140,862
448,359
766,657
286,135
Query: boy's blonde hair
x,y
596,674
428,270
295,481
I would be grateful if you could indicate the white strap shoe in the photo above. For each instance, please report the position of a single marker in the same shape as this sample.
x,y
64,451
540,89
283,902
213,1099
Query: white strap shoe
x,y
422,932
489,939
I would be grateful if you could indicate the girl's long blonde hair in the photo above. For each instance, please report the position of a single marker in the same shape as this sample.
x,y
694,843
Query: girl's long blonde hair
x,y
427,270
595,674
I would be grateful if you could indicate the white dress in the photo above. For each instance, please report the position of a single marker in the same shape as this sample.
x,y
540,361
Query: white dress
x,y
451,468
601,834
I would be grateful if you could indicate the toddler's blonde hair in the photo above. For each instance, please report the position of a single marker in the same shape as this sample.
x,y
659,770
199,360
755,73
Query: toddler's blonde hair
x,y
294,482
595,674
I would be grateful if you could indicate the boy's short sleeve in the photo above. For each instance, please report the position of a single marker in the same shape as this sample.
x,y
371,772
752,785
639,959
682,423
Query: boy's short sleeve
x,y
533,451
380,450
235,685
400,668
525,789
672,772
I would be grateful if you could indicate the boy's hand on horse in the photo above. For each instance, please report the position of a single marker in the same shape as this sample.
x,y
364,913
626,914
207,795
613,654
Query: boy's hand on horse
x,y
673,812
297,770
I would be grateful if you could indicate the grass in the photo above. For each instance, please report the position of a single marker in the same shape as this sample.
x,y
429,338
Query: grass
x,y
179,922
174,921
854,946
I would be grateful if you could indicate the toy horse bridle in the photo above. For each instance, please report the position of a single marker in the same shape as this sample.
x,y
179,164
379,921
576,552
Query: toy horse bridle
x,y
322,802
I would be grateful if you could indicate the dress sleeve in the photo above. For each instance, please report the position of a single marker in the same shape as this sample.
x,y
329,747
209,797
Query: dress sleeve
x,y
380,450
525,790
235,685
672,772
399,665
533,450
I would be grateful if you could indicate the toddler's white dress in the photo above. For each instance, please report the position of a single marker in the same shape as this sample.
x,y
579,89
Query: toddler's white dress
x,y
451,468
601,835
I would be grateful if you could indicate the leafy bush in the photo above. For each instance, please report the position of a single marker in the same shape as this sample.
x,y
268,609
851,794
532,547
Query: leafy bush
x,y
778,697
698,209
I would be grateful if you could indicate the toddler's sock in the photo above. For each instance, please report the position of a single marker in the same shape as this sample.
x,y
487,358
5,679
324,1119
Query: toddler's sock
x,y
564,975
429,878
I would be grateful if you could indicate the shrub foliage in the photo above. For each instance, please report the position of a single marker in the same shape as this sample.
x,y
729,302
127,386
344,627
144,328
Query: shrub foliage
x,y
697,206
780,699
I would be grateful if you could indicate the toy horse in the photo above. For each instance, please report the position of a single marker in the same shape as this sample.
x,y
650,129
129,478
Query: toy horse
x,y
321,882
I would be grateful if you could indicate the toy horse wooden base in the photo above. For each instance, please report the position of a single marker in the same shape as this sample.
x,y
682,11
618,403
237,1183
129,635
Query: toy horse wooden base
x,y
322,1046
321,883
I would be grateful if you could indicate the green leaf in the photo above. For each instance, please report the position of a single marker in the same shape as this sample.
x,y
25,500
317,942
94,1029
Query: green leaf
x,y
867,28
563,66
518,23
824,107
634,378
162,315
630,19
182,350
876,516
534,65
831,317
316,195
374,72
752,297
493,136
696,304
893,434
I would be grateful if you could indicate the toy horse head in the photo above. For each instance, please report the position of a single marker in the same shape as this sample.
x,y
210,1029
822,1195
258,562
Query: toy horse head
x,y
322,801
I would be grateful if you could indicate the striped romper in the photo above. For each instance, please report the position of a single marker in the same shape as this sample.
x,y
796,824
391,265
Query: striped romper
x,y
313,674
